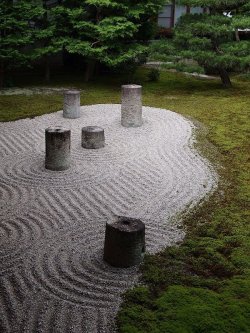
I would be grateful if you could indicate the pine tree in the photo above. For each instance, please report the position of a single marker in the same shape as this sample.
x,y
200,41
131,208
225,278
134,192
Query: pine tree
x,y
212,38
107,31
17,20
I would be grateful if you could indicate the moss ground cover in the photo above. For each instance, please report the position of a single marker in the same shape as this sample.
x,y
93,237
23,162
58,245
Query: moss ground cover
x,y
203,284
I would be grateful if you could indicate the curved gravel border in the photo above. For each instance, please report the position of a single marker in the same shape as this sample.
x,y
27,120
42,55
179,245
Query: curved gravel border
x,y
52,276
32,91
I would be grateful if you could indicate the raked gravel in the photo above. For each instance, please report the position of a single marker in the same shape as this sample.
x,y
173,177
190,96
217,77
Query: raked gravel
x,y
52,276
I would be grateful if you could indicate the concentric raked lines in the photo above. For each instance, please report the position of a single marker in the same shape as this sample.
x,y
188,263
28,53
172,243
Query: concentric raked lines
x,y
70,266
52,224
14,197
19,233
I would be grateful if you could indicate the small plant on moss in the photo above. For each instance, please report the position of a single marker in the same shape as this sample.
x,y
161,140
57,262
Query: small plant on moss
x,y
182,67
153,75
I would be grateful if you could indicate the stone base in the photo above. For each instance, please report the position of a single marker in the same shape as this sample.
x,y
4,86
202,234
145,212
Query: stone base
x,y
124,242
93,137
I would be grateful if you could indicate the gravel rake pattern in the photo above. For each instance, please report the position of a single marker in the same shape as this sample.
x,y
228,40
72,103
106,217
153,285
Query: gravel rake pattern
x,y
52,224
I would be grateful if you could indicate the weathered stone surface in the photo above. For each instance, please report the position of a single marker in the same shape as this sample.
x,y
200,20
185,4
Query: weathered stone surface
x,y
57,141
71,106
124,242
131,106
93,137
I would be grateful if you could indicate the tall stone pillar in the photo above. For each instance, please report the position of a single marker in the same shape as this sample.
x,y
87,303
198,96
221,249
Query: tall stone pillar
x,y
131,106
71,106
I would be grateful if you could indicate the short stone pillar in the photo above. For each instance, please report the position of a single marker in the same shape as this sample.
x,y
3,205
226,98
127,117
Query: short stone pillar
x,y
57,141
131,107
93,137
71,106
124,242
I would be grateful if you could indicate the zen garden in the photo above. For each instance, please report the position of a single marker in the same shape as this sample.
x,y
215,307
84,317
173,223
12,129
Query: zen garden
x,y
124,166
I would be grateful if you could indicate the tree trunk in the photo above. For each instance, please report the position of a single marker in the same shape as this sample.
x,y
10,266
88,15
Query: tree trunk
x,y
90,68
237,35
47,69
1,74
97,69
225,78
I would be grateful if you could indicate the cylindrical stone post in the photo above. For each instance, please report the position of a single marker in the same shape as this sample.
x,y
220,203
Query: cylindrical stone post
x,y
124,242
71,106
131,107
93,137
57,142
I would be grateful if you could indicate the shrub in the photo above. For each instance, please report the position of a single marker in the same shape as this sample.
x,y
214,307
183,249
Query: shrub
x,y
153,75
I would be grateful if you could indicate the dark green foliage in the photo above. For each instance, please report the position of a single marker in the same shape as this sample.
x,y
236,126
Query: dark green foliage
x,y
114,33
184,67
108,31
162,50
212,39
17,33
217,5
46,36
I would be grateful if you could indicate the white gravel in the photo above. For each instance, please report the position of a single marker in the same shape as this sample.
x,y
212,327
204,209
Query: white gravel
x,y
52,277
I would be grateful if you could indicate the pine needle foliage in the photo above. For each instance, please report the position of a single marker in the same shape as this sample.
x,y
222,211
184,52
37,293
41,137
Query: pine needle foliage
x,y
46,35
17,33
111,32
212,38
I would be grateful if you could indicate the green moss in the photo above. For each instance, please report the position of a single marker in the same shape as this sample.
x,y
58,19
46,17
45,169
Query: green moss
x,y
215,254
202,285
191,310
19,106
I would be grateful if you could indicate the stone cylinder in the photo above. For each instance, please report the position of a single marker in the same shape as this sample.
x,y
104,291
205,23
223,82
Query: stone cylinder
x,y
93,137
57,155
124,242
71,106
131,107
